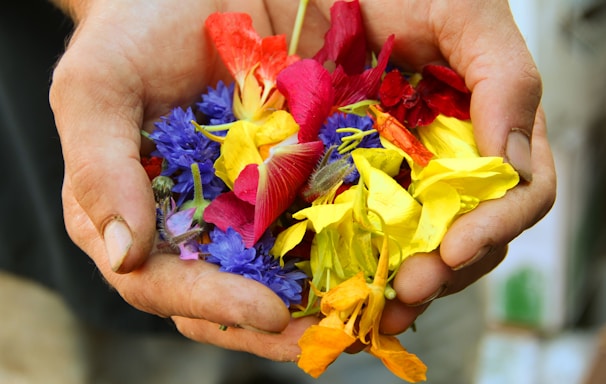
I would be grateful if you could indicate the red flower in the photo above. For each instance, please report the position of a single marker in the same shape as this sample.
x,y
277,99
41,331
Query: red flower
x,y
440,91
152,165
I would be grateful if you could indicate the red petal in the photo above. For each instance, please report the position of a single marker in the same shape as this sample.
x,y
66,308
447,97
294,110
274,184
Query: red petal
x,y
421,114
308,90
246,184
345,41
237,42
351,89
395,90
445,75
152,165
444,91
227,210
280,180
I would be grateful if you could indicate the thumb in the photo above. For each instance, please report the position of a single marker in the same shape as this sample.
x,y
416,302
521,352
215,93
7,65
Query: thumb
x,y
98,124
505,82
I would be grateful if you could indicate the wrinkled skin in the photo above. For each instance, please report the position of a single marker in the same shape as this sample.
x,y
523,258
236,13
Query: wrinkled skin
x,y
130,62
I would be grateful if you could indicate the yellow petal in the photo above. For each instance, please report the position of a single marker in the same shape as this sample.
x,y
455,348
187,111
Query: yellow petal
x,y
385,196
247,101
449,137
321,216
320,346
237,151
386,160
289,238
345,296
276,128
484,178
441,205
402,363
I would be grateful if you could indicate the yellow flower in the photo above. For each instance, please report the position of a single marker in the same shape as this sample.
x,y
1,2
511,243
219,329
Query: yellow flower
x,y
456,180
349,232
352,311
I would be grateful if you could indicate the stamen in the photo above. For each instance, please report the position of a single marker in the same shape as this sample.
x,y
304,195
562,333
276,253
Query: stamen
x,y
351,142
207,129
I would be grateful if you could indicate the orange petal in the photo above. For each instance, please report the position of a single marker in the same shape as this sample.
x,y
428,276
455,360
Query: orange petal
x,y
320,346
237,42
396,133
402,363
274,58
345,296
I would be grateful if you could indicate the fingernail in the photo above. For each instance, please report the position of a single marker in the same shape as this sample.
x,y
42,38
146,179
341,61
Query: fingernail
x,y
485,250
118,240
518,153
431,297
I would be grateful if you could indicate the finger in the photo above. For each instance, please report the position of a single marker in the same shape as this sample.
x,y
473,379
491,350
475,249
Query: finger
x,y
397,316
464,277
99,129
495,223
277,346
165,285
421,278
425,278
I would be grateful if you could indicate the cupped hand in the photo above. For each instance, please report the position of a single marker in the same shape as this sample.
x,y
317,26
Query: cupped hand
x,y
127,64
481,42
130,63
476,242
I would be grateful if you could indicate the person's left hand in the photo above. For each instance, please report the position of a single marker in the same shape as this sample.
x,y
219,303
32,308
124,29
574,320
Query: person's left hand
x,y
489,228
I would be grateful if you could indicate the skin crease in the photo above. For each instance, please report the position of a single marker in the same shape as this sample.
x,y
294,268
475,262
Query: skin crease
x,y
130,62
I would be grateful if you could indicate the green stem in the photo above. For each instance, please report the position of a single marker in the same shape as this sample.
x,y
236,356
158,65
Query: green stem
x,y
296,33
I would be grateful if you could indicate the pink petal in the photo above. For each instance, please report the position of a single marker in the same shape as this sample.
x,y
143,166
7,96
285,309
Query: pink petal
x,y
189,251
351,89
245,186
308,90
280,180
226,210
345,41
180,222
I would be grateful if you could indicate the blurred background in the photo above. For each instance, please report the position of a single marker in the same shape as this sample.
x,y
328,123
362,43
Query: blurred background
x,y
538,318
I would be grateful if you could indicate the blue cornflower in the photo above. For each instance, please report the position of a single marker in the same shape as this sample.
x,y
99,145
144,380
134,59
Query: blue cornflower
x,y
228,251
217,103
330,137
178,142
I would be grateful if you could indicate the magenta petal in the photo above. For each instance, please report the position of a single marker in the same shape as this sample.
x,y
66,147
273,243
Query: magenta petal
x,y
227,210
351,89
280,180
307,87
345,41
245,186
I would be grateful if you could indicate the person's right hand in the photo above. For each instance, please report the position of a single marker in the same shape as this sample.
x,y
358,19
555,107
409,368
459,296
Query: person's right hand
x,y
128,64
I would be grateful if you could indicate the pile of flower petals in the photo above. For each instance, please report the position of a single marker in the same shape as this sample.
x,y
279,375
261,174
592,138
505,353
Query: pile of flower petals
x,y
319,183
